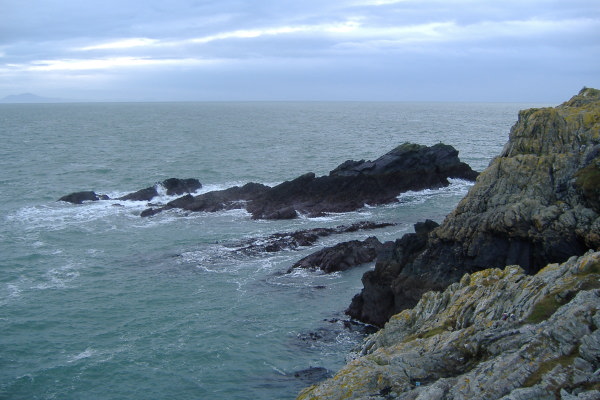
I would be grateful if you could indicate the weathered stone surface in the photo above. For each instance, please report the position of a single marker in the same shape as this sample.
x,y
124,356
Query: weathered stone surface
x,y
496,334
535,204
341,257
80,197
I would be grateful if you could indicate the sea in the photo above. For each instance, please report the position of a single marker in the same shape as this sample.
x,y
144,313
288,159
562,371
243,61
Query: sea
x,y
99,303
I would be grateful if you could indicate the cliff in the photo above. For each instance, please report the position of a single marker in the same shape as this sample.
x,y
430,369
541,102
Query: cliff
x,y
496,334
537,203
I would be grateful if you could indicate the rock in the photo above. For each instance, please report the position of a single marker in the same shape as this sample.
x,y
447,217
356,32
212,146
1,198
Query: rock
x,y
175,186
347,188
535,204
80,197
313,374
301,238
146,194
341,257
377,302
458,344
355,183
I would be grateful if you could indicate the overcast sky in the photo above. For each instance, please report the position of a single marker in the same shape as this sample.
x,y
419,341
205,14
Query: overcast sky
x,y
406,50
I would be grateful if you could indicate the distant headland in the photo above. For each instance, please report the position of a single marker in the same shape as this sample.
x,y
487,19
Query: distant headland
x,y
30,98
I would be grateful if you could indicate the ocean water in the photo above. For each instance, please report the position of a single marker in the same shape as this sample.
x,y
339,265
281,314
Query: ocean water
x,y
98,303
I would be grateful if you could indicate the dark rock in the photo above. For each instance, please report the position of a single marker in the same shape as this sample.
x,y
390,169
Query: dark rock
x,y
218,200
536,204
174,186
341,256
146,194
313,375
80,197
177,186
301,238
150,212
355,183
347,188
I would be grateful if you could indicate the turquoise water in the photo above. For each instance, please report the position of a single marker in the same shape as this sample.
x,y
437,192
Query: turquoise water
x,y
98,303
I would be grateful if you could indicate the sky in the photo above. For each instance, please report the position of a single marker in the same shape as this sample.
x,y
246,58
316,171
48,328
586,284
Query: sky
x,y
272,50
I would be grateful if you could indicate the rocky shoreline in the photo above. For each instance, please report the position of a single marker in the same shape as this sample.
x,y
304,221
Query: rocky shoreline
x,y
525,329
536,203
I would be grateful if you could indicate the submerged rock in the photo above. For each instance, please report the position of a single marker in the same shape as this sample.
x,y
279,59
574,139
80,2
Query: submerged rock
x,y
535,204
301,238
496,334
313,374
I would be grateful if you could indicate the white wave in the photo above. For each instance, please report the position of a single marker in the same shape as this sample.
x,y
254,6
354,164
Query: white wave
x,y
58,278
11,292
87,353
457,187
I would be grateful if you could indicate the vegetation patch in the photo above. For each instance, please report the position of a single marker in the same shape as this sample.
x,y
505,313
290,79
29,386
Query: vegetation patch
x,y
548,366
544,308
587,181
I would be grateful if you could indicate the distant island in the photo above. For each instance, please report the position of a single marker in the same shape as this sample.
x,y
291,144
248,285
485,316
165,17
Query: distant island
x,y
29,98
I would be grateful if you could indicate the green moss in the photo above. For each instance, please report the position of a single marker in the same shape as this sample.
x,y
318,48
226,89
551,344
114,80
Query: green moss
x,y
588,178
544,309
429,333
548,366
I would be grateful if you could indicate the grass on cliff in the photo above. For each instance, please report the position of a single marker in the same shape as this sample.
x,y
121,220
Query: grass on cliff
x,y
585,280
588,181
549,365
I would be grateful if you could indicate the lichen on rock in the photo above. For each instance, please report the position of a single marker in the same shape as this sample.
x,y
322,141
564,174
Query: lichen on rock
x,y
537,203
475,340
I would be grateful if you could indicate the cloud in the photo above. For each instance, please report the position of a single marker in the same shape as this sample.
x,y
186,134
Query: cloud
x,y
374,44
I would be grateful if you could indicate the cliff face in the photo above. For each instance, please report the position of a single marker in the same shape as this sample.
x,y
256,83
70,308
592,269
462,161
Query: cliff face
x,y
537,203
496,334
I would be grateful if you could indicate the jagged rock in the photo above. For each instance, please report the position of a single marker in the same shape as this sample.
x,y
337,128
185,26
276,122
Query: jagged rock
x,y
377,302
175,186
146,194
301,238
341,257
347,188
496,334
535,204
80,197
232,198
355,183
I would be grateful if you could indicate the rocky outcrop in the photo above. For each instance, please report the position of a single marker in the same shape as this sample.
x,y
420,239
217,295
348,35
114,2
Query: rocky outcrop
x,y
341,257
80,197
347,188
355,183
537,203
300,238
495,334
173,187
